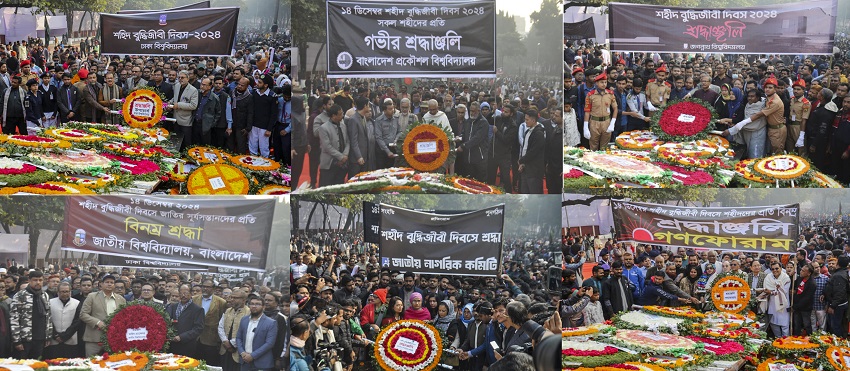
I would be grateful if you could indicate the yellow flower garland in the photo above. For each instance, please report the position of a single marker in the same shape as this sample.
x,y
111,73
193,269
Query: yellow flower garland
x,y
19,140
202,155
60,133
438,344
840,353
140,360
680,312
246,161
274,189
128,136
436,135
217,179
794,343
70,189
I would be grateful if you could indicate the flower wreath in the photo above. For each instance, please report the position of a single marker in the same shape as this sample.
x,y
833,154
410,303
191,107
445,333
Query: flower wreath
x,y
628,366
618,167
132,151
643,140
356,187
784,170
575,178
722,290
682,121
139,97
74,162
14,173
116,134
393,172
655,343
139,361
724,349
408,345
676,158
218,179
97,183
675,312
429,159
592,354
78,136
738,334
146,170
826,181
472,186
682,361
207,155
137,315
172,362
791,346
636,320
689,178
835,358
35,364
255,163
765,366
584,330
745,175
34,142
49,188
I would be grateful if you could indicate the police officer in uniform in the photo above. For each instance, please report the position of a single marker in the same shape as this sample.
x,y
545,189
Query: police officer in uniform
x,y
600,113
800,109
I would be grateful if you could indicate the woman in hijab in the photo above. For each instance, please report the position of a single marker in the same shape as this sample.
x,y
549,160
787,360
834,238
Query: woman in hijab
x,y
416,311
445,315
466,316
735,103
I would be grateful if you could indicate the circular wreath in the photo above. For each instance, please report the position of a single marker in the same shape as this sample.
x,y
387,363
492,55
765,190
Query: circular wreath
x,y
49,188
116,134
218,179
742,168
255,163
614,166
686,312
676,158
142,96
421,133
139,360
14,173
408,345
826,181
139,169
34,141
127,150
274,190
137,315
638,140
782,167
673,363
654,343
98,182
637,155
175,362
637,320
207,155
472,186
765,366
73,135
836,358
74,162
721,293
698,148
792,345
682,121
393,172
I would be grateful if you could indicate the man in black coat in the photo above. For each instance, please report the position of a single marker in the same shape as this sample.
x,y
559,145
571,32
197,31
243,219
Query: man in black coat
x,y
531,155
803,297
187,318
49,103
616,294
555,152
473,152
69,100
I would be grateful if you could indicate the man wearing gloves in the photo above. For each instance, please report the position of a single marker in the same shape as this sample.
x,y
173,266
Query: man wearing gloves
x,y
749,132
773,112
600,109
800,109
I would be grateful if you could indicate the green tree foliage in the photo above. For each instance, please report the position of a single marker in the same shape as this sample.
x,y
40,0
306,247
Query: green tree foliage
x,y
546,27
508,43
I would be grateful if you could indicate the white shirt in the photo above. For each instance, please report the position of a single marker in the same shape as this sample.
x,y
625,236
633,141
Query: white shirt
x,y
249,334
298,270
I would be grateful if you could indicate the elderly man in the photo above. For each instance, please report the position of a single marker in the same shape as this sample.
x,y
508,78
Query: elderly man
x,y
65,314
228,327
188,322
214,307
184,103
437,117
207,114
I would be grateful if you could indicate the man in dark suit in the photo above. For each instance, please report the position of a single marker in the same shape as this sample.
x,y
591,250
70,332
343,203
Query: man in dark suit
x,y
188,320
474,150
361,135
256,338
333,137
531,160
69,100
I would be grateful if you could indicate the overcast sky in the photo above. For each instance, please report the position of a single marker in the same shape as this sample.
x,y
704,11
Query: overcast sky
x,y
518,7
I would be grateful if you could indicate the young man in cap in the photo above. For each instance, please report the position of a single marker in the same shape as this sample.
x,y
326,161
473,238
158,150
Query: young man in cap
x,y
800,109
600,110
658,89
773,112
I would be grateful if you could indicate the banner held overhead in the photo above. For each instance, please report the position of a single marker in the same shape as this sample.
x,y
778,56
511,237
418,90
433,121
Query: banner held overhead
x,y
793,28
192,32
411,39
772,229
229,233
455,244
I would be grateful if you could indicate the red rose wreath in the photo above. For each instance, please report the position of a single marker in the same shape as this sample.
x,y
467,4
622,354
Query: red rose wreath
x,y
137,315
682,121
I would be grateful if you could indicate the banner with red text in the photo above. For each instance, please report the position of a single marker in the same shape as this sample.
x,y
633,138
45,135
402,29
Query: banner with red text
x,y
771,229
228,233
793,28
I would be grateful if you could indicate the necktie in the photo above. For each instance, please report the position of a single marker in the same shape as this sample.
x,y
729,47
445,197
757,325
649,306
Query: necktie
x,y
68,92
179,310
341,138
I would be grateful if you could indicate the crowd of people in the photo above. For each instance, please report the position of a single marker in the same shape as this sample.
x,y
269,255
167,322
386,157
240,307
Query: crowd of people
x,y
797,294
239,102
765,104
342,298
61,313
507,132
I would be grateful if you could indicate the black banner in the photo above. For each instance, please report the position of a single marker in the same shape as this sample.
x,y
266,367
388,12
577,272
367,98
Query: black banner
x,y
411,39
795,28
228,233
145,263
580,30
456,244
199,5
371,222
771,229
209,32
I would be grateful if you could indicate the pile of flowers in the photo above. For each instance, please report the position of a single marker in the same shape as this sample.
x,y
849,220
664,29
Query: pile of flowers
x,y
591,354
682,121
137,315
408,345
402,180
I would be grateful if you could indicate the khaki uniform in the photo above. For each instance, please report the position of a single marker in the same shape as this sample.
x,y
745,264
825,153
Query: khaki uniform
x,y
658,92
597,112
800,110
773,111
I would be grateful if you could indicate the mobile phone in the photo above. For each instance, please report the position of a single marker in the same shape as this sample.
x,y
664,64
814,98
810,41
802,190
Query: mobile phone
x,y
494,345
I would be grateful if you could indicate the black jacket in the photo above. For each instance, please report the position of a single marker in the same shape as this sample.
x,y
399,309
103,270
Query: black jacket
x,y
805,301
73,105
835,291
265,110
188,327
534,160
612,299
49,98
475,144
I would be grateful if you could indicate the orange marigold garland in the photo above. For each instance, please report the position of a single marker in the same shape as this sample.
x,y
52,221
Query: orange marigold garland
x,y
426,147
687,312
142,109
73,135
274,189
765,366
34,141
472,186
408,345
207,155
139,360
218,179
730,293
255,163
49,188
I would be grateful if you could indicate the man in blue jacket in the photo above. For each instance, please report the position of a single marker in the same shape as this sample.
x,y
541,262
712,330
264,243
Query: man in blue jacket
x,y
256,337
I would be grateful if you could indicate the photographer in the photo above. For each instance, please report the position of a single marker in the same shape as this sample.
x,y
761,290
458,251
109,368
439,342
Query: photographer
x,y
572,307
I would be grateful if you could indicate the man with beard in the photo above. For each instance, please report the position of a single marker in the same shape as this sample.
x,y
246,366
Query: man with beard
x,y
255,339
406,289
503,145
616,296
228,327
348,290
271,303
97,307
187,320
531,156
746,131
30,322
214,307
473,150
243,117
670,285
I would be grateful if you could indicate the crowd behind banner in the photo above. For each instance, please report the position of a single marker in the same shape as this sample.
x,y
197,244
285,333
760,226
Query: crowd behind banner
x,y
239,102
798,294
766,104
60,312
508,130
341,299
